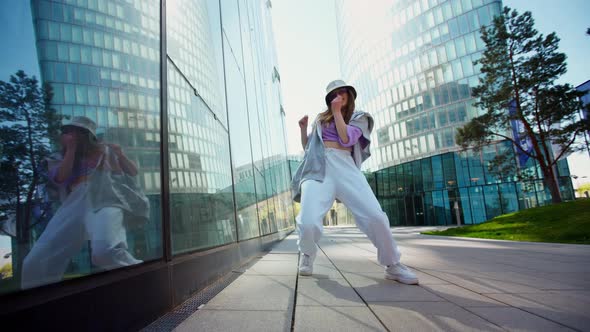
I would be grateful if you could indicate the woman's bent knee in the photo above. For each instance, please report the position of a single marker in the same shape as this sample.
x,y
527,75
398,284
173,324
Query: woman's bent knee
x,y
310,232
313,228
378,219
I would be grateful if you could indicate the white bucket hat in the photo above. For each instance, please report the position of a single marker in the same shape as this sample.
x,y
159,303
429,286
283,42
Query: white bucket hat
x,y
84,123
337,84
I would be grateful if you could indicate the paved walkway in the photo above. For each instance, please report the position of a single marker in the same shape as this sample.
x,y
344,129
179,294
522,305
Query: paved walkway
x,y
465,285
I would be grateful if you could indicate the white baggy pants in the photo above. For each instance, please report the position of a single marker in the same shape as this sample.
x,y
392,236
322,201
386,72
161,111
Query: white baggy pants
x,y
65,234
345,182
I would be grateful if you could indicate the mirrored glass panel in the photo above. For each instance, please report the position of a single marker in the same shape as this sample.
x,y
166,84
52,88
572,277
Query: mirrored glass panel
x,y
80,163
201,191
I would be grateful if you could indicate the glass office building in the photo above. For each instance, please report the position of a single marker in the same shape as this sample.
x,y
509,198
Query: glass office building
x,y
457,188
412,63
190,92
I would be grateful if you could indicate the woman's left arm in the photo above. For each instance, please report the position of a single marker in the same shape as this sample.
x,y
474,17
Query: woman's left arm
x,y
127,165
341,127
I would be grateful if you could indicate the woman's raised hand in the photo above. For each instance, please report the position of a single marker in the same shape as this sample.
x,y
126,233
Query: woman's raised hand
x,y
116,149
336,104
69,141
303,122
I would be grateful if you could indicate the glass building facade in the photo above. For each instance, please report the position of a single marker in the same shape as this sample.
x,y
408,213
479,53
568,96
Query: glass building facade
x,y
413,67
190,91
416,74
459,188
102,61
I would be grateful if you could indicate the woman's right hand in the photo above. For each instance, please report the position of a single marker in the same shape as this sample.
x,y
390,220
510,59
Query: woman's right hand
x,y
69,141
303,122
336,104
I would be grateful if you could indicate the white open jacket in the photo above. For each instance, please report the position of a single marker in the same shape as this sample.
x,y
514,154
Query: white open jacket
x,y
313,166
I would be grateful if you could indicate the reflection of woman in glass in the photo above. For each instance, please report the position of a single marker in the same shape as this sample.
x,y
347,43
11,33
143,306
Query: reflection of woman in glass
x,y
79,218
338,144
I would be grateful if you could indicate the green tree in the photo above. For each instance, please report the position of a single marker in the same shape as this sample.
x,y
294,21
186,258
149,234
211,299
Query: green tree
x,y
519,68
27,122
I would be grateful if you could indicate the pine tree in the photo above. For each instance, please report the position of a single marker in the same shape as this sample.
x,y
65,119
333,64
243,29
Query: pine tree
x,y
519,68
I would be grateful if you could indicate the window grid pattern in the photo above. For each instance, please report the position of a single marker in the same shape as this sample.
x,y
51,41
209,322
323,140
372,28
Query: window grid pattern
x,y
458,186
416,75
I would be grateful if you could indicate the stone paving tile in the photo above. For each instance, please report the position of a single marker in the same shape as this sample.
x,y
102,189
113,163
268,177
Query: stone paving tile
x,y
560,308
279,257
363,265
529,279
479,283
342,253
514,319
273,268
336,319
237,321
322,259
378,289
426,266
581,297
450,267
462,297
365,250
427,279
324,271
429,316
327,292
541,265
287,246
252,292
570,278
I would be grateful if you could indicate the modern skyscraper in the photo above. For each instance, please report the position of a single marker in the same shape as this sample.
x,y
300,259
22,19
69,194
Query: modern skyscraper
x,y
412,62
415,69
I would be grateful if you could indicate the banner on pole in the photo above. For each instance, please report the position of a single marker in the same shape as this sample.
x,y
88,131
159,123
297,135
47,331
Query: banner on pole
x,y
520,137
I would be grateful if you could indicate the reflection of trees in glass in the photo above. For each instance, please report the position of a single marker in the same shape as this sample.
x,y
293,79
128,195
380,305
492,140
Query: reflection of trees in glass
x,y
27,122
503,166
6,271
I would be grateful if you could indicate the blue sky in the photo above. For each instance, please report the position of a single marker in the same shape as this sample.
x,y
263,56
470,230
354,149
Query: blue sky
x,y
307,48
18,35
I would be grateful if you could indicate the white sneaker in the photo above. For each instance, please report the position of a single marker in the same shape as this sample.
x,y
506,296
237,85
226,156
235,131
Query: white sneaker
x,y
401,273
305,265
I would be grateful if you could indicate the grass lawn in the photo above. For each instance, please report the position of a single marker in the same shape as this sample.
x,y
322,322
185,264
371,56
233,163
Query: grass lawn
x,y
561,223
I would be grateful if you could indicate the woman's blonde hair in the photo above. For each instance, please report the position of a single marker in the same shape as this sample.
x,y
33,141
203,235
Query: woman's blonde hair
x,y
326,116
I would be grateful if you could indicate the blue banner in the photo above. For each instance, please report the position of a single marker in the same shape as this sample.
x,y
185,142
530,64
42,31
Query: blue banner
x,y
585,87
521,139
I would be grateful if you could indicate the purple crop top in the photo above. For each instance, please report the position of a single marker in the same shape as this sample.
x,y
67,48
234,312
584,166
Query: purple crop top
x,y
84,169
330,133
